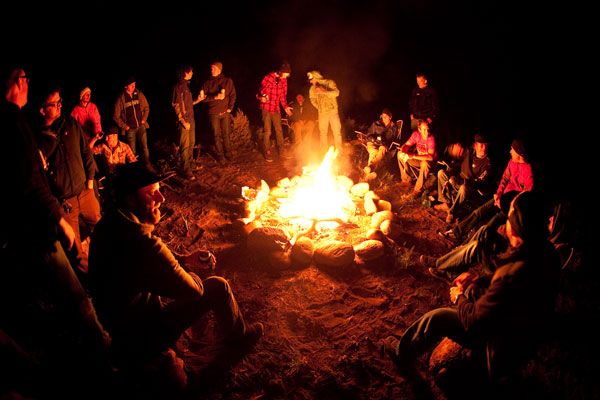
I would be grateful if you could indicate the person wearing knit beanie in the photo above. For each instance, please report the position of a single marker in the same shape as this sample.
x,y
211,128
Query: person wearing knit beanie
x,y
87,114
526,217
518,146
84,91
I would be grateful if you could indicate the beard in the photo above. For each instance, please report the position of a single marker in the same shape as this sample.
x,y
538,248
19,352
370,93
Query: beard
x,y
149,215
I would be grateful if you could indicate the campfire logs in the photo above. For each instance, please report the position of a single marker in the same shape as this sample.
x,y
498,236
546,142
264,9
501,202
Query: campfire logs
x,y
310,218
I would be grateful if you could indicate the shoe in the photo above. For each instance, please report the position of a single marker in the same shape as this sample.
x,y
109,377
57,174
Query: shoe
x,y
449,218
439,274
442,207
390,347
425,260
251,336
449,234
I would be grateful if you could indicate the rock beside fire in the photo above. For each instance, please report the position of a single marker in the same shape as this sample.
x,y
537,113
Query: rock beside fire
x,y
302,252
369,250
279,260
334,253
384,205
391,229
379,217
375,234
360,189
267,239
369,202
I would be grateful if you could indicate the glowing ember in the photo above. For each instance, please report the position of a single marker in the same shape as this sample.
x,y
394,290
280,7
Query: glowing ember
x,y
318,196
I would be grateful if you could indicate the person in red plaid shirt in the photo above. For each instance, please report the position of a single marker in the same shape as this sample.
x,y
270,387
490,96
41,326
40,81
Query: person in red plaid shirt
x,y
273,92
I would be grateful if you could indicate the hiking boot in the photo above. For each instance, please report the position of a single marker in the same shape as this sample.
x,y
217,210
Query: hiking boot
x,y
391,347
250,337
425,260
449,234
442,207
439,274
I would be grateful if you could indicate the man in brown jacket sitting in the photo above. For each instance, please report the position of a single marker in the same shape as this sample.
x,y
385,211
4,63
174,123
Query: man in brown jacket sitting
x,y
132,272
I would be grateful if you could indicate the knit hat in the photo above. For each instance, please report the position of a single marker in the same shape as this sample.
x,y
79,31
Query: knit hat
x,y
387,112
84,91
479,138
112,130
518,146
285,68
218,64
314,74
129,80
527,219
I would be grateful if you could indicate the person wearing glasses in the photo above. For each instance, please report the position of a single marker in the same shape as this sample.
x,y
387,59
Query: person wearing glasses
x,y
36,272
70,167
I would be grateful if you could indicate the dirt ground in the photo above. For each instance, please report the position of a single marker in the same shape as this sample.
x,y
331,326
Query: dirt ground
x,y
323,327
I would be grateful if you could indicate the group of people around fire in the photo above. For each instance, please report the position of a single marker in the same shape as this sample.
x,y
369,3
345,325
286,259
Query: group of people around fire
x,y
123,304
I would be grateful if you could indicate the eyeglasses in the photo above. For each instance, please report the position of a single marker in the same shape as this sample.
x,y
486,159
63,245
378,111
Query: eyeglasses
x,y
57,103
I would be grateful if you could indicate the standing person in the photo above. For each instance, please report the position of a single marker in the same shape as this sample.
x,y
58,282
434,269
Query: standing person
x,y
273,93
70,167
133,273
131,115
87,114
35,270
420,161
505,322
323,95
183,105
423,103
219,92
303,119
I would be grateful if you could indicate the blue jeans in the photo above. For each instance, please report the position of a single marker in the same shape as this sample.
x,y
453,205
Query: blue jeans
x,y
221,127
138,141
187,139
275,119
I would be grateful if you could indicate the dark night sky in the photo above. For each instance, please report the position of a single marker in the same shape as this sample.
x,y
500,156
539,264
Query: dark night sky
x,y
484,58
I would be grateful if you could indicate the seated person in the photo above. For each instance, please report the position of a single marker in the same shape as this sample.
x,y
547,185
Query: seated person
x,y
419,161
113,151
471,181
518,176
303,119
502,321
481,248
133,273
380,135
